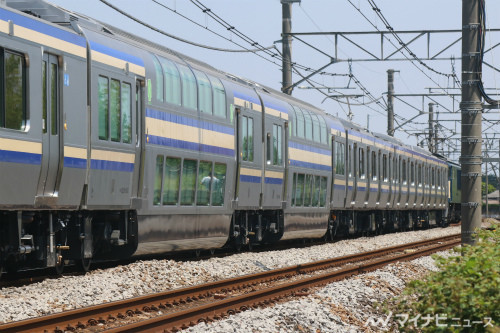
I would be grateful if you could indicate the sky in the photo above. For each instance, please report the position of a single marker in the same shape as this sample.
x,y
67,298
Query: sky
x,y
261,20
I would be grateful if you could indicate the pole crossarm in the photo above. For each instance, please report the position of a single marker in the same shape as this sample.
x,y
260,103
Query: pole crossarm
x,y
378,55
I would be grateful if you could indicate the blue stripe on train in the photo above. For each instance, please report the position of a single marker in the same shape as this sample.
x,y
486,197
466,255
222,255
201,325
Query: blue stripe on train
x,y
177,119
111,165
158,140
274,181
310,165
20,157
46,29
249,179
73,162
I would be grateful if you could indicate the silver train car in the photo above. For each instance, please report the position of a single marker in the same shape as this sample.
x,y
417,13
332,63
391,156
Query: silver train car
x,y
113,146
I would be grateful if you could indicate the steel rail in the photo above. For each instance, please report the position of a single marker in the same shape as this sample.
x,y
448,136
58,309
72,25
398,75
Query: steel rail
x,y
81,318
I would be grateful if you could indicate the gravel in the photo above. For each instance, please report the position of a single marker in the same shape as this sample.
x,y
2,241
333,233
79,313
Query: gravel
x,y
144,277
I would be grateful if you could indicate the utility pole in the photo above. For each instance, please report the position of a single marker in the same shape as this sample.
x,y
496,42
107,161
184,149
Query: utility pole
x,y
287,45
471,158
390,101
431,128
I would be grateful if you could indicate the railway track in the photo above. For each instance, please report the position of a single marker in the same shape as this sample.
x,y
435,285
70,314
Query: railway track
x,y
181,308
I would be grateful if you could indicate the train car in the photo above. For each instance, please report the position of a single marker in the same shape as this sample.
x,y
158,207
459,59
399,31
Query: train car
x,y
454,195
113,146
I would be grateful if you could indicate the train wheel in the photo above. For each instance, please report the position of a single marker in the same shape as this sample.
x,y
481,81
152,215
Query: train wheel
x,y
83,264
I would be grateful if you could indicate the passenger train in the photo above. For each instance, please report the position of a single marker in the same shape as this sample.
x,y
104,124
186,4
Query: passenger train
x,y
113,146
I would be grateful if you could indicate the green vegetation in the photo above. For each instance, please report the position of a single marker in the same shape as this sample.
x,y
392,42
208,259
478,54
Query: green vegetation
x,y
465,292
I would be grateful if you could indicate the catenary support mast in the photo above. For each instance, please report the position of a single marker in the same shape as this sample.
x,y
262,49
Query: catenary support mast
x,y
471,109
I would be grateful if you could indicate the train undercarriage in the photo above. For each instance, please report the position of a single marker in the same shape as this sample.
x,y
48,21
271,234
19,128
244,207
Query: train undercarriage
x,y
51,239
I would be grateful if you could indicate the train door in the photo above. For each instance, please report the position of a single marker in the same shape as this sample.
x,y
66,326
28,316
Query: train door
x,y
274,168
138,134
249,181
339,188
51,136
350,174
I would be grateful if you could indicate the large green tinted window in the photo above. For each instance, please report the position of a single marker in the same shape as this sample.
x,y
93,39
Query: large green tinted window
x,y
323,131
53,99
308,125
188,183
204,184
277,145
308,190
316,131
158,180
159,79
126,109
219,97
293,120
299,190
316,190
300,123
204,92
103,108
115,110
322,196
218,184
339,158
247,138
13,94
172,181
172,82
189,94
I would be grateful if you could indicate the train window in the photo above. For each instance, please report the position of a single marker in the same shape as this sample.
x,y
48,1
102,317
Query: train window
x,y
115,110
404,172
438,179
277,145
172,82
44,97
293,122
350,159
204,92
13,92
53,98
103,108
172,181
247,138
158,180
322,196
204,183
394,170
126,110
159,79
188,183
300,123
218,184
316,131
294,188
308,125
323,131
433,184
189,93
384,168
339,158
459,179
374,165
299,190
308,190
361,160
219,97
316,191
419,175
412,174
